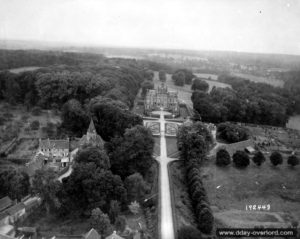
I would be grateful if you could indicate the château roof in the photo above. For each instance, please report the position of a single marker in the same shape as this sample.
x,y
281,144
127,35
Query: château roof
x,y
58,144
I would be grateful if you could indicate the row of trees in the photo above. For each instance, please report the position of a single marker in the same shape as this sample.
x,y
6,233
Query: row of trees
x,y
194,142
241,159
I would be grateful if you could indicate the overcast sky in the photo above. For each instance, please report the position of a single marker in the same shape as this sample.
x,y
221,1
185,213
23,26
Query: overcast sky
x,y
271,26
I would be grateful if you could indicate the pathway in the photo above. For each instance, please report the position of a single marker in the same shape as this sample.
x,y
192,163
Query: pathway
x,y
167,227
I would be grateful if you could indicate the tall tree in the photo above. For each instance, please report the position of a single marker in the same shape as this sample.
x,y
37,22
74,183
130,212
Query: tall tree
x,y
131,153
74,117
136,187
100,221
46,185
14,184
93,155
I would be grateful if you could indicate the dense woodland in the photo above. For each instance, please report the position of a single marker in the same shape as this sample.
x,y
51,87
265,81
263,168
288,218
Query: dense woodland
x,y
248,102
103,182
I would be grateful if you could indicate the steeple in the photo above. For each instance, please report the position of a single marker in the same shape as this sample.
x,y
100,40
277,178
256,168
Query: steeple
x,y
91,129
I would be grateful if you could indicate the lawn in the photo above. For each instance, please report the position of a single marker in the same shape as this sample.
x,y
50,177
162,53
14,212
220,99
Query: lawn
x,y
172,150
26,148
156,145
49,226
274,82
230,190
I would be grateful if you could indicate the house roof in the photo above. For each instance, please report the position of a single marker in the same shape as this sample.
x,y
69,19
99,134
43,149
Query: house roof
x,y
3,214
16,208
58,144
5,203
250,149
92,234
2,236
114,236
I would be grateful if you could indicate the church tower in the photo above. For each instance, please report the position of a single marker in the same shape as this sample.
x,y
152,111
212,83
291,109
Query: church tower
x,y
91,132
91,137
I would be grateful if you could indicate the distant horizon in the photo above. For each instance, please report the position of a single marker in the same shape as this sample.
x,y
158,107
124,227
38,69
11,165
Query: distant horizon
x,y
58,44
258,26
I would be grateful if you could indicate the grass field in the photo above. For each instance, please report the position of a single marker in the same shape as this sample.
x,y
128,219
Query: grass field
x,y
230,190
23,69
274,82
203,75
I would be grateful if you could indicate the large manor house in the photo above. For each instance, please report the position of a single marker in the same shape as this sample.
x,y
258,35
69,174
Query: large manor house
x,y
162,98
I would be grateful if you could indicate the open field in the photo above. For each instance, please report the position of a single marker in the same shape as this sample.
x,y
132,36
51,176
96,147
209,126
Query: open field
x,y
230,190
217,84
274,82
204,75
17,122
23,69
294,122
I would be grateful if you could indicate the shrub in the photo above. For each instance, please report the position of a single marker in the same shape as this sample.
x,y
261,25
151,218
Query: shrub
x,y
258,158
2,120
276,158
196,178
35,125
196,185
205,221
189,232
36,110
232,133
200,206
120,223
293,160
199,84
223,158
241,159
199,193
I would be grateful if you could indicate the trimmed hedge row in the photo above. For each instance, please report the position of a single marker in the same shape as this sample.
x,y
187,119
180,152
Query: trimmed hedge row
x,y
199,198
